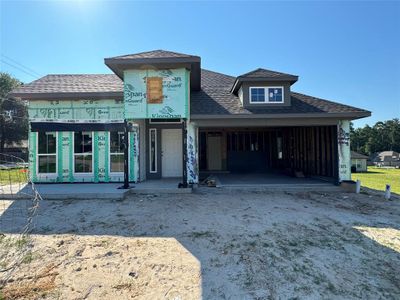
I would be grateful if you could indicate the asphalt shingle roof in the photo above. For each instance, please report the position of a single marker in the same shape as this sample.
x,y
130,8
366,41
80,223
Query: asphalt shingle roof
x,y
356,155
214,98
153,54
264,73
73,83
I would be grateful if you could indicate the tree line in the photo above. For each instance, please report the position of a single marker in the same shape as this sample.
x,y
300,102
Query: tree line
x,y
382,136
13,113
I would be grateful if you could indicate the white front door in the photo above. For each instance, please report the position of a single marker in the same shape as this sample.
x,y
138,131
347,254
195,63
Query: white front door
x,y
171,152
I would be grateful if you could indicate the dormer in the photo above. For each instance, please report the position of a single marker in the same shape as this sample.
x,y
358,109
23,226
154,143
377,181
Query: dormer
x,y
264,88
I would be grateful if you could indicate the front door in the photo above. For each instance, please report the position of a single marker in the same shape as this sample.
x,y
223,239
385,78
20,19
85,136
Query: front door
x,y
171,152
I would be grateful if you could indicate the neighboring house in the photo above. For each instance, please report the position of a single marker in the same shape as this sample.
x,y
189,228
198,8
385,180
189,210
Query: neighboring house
x,y
182,120
386,159
17,149
358,162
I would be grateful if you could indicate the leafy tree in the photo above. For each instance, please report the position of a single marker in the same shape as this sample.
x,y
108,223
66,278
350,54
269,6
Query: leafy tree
x,y
13,113
384,135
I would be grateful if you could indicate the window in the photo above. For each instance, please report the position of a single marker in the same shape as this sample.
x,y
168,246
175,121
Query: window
x,y
47,152
83,149
153,150
266,94
116,151
275,94
257,95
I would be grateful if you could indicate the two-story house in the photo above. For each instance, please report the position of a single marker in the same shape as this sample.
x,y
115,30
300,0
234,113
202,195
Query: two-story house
x,y
182,120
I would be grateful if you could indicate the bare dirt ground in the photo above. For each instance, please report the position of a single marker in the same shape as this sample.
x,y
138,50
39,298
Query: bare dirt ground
x,y
213,244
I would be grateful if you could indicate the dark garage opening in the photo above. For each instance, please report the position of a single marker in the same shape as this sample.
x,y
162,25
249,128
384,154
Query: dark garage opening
x,y
309,151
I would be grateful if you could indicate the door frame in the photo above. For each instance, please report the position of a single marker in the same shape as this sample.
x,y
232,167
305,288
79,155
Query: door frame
x,y
164,158
158,127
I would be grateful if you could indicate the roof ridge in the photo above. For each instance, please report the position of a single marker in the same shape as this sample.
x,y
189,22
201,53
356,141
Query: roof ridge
x,y
152,52
267,70
79,74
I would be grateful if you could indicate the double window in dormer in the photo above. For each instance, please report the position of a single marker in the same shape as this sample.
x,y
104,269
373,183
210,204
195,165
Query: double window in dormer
x,y
270,94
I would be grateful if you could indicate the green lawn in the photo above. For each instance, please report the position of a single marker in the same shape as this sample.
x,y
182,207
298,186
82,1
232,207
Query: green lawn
x,y
17,175
377,178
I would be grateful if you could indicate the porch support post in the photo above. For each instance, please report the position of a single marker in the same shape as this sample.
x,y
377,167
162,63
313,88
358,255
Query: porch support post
x,y
335,155
126,155
184,154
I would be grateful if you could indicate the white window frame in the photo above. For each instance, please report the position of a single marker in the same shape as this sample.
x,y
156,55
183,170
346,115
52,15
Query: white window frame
x,y
266,97
109,154
44,154
74,154
155,150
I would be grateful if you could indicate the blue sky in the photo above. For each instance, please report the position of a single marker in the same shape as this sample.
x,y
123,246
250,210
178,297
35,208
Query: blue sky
x,y
343,51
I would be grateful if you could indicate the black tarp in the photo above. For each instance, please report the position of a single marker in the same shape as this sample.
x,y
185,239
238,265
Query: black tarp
x,y
53,126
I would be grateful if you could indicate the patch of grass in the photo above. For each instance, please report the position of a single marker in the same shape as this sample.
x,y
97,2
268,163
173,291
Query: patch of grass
x,y
22,242
377,178
17,175
28,258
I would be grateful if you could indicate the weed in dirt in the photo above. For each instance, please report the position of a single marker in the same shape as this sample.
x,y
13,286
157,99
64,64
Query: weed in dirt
x,y
28,257
21,243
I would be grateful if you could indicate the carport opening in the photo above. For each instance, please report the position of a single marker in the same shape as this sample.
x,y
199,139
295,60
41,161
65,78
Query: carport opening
x,y
309,152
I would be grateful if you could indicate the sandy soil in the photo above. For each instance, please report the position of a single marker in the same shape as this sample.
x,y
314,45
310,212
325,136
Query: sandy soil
x,y
212,244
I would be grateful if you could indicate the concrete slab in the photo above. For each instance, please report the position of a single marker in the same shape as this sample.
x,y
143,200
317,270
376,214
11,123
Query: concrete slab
x,y
59,191
271,182
90,191
159,186
263,179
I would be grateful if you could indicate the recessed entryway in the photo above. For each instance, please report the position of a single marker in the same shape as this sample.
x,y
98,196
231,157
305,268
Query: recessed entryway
x,y
171,152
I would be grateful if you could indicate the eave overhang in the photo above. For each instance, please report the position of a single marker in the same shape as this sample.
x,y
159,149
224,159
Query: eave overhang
x,y
341,116
68,96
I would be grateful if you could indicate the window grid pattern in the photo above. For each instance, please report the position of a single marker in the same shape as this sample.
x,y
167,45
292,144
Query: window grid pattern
x,y
83,149
47,152
116,152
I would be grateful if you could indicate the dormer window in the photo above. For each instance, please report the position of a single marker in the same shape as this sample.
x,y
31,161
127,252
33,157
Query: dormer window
x,y
270,94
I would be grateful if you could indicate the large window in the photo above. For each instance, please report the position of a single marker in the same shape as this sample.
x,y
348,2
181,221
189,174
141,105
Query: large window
x,y
47,152
83,152
116,151
266,94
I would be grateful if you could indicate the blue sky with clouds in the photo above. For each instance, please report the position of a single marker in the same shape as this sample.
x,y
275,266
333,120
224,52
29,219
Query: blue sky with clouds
x,y
343,51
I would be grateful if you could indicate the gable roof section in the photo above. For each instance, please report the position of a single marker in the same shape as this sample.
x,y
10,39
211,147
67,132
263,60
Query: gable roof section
x,y
356,155
71,86
157,59
215,100
264,73
153,54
